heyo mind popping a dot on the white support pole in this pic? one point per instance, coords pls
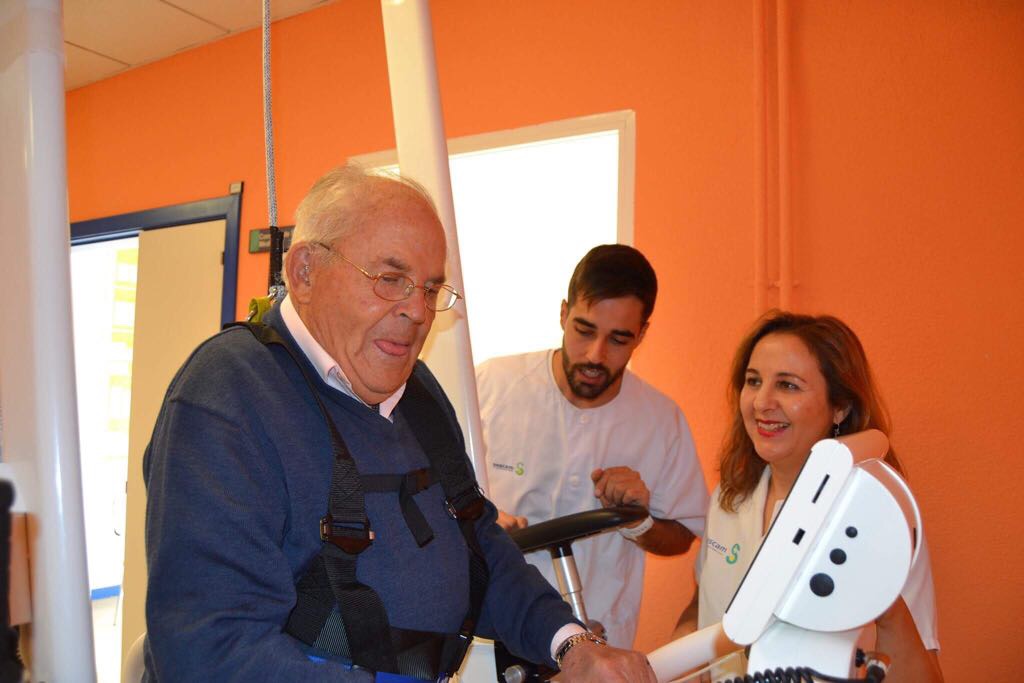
(37, 379)
(423, 157)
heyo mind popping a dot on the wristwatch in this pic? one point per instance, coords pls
(574, 640)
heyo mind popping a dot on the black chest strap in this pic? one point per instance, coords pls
(464, 500)
(407, 485)
(336, 613)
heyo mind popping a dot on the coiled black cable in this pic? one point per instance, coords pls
(780, 675)
(804, 675)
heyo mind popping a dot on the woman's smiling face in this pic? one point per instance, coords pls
(784, 400)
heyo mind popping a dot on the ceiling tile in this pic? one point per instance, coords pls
(241, 15)
(84, 67)
(134, 31)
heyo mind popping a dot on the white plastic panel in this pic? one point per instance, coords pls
(861, 560)
(788, 541)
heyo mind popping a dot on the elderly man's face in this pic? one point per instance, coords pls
(376, 342)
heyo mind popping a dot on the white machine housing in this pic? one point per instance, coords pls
(835, 558)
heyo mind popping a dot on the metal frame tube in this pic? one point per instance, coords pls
(37, 395)
(569, 584)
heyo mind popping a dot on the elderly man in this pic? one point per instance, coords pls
(573, 429)
(312, 515)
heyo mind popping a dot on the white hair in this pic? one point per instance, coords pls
(342, 199)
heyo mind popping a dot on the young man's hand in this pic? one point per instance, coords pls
(509, 522)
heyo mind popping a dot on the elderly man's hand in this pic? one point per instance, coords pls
(509, 522)
(620, 486)
(589, 662)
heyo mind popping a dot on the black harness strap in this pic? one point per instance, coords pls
(407, 485)
(465, 501)
(333, 611)
(345, 530)
(346, 524)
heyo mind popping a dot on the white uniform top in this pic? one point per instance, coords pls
(732, 538)
(540, 451)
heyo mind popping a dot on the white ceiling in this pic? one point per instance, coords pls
(106, 37)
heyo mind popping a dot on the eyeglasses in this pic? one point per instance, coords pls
(398, 287)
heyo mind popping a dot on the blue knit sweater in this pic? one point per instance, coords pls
(238, 473)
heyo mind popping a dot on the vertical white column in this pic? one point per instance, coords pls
(37, 380)
(423, 156)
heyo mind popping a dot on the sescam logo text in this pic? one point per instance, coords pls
(731, 554)
(518, 469)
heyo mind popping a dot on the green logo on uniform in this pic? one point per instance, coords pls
(520, 470)
(731, 559)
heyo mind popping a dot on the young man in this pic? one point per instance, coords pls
(572, 429)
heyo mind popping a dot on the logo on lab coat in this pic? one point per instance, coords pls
(734, 555)
(731, 555)
(518, 469)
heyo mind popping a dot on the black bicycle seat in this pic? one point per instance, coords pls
(569, 528)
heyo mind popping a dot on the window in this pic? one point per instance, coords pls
(103, 302)
(529, 203)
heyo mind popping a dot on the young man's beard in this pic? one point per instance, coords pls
(582, 389)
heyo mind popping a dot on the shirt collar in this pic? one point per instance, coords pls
(328, 369)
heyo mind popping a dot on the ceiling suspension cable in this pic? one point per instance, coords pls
(275, 284)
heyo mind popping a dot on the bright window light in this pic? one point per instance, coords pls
(526, 214)
(103, 277)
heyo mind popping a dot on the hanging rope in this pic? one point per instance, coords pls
(275, 284)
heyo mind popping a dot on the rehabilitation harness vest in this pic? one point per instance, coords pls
(337, 614)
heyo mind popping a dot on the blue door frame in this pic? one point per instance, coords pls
(228, 208)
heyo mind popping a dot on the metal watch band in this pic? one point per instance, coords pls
(574, 640)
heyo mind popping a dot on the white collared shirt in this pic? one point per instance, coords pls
(546, 474)
(329, 370)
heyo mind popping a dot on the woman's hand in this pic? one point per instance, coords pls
(898, 638)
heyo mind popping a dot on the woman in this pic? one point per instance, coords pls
(795, 380)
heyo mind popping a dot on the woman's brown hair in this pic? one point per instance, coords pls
(847, 375)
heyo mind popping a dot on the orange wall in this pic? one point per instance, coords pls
(907, 205)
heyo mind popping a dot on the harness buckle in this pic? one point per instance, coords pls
(418, 480)
(349, 539)
(462, 509)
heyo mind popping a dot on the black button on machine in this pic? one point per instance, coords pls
(838, 556)
(822, 585)
(851, 531)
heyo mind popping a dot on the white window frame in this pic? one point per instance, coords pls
(623, 121)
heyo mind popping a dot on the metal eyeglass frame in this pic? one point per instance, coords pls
(407, 289)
